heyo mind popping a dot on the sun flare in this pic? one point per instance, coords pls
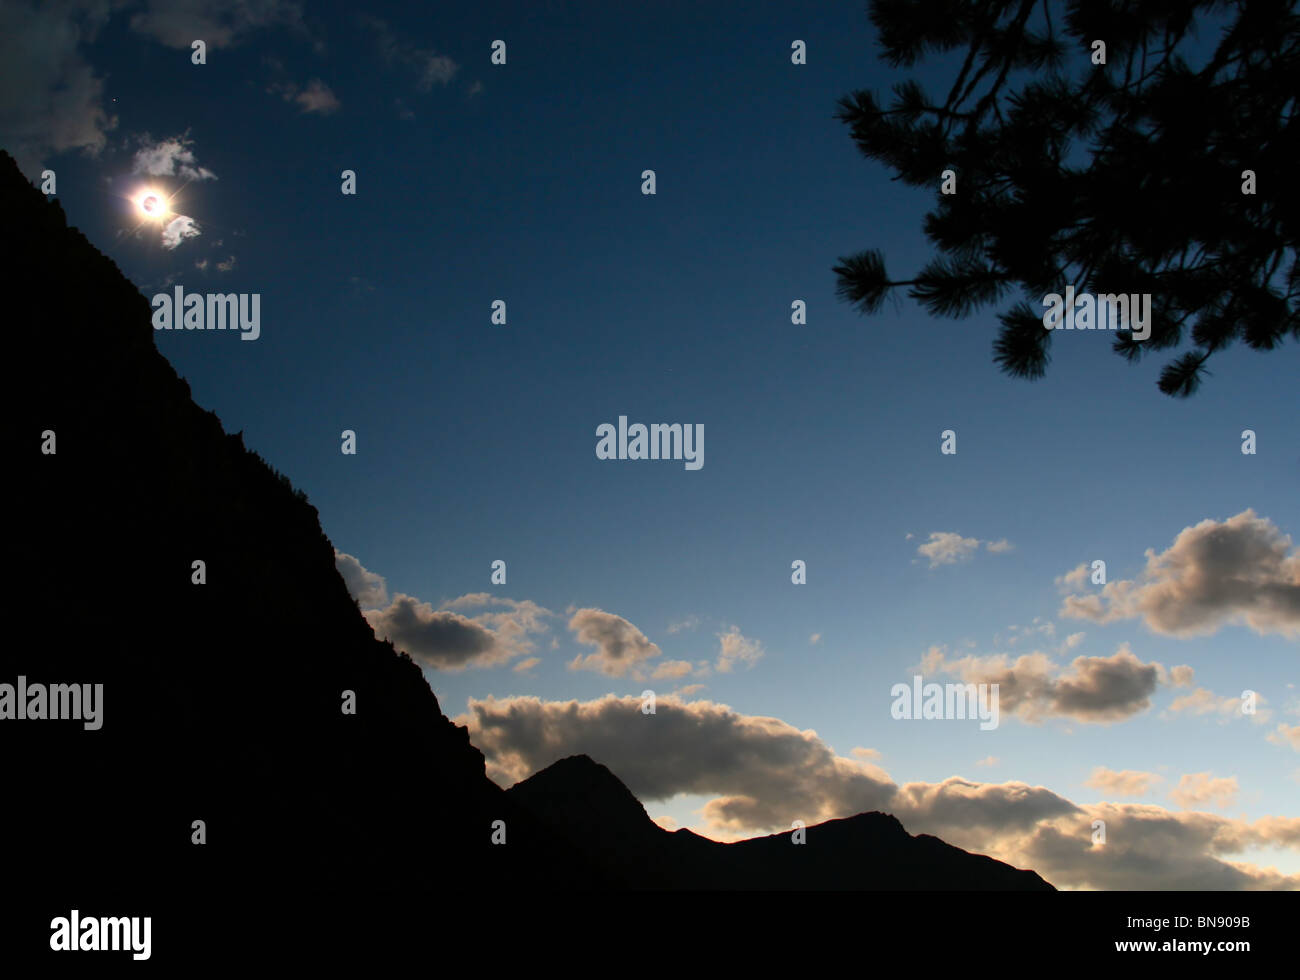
(152, 204)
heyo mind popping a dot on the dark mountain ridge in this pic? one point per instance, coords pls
(222, 701)
(585, 802)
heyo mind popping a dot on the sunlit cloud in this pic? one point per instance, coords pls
(172, 157)
(1243, 570)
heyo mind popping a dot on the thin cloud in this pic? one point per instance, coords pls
(430, 68)
(949, 548)
(673, 669)
(218, 23)
(316, 98)
(1128, 782)
(1203, 701)
(689, 623)
(1197, 789)
(1286, 735)
(735, 650)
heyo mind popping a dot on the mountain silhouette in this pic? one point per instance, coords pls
(587, 804)
(222, 701)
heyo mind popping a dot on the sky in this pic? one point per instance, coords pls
(476, 441)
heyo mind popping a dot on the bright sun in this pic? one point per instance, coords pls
(151, 204)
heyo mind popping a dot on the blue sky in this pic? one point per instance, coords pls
(476, 441)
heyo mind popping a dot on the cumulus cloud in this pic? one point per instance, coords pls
(764, 773)
(988, 761)
(955, 803)
(449, 640)
(513, 616)
(621, 648)
(947, 548)
(1129, 782)
(441, 639)
(430, 68)
(1105, 688)
(218, 23)
(50, 98)
(1240, 571)
(524, 666)
(368, 588)
(179, 229)
(736, 649)
(1197, 789)
(172, 157)
(1147, 847)
(1032, 687)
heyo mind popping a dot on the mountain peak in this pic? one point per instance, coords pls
(579, 790)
